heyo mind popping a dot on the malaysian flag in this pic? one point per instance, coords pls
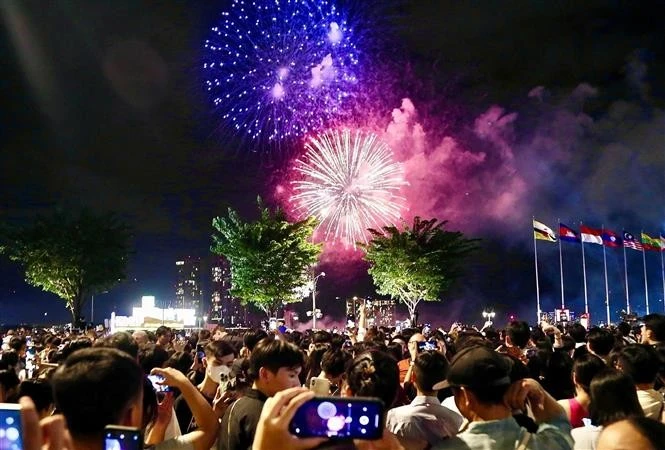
(630, 241)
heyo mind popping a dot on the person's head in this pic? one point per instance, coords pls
(518, 334)
(613, 397)
(96, 387)
(253, 337)
(163, 335)
(141, 337)
(121, 340)
(640, 362)
(40, 393)
(8, 385)
(181, 361)
(18, 344)
(653, 329)
(633, 433)
(577, 332)
(151, 356)
(219, 357)
(585, 368)
(429, 369)
(480, 378)
(275, 365)
(624, 328)
(218, 333)
(373, 374)
(600, 341)
(333, 363)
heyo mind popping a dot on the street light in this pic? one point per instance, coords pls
(92, 306)
(488, 316)
(315, 312)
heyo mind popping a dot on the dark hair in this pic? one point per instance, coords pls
(374, 374)
(181, 361)
(219, 349)
(655, 323)
(313, 362)
(640, 362)
(161, 331)
(585, 368)
(577, 332)
(519, 333)
(204, 335)
(430, 368)
(274, 354)
(17, 343)
(650, 429)
(334, 362)
(558, 381)
(149, 403)
(321, 336)
(253, 337)
(396, 350)
(122, 340)
(94, 387)
(8, 379)
(39, 391)
(151, 356)
(624, 328)
(600, 341)
(613, 397)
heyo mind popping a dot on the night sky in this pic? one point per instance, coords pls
(545, 109)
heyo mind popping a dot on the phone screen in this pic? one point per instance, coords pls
(339, 418)
(426, 346)
(122, 438)
(11, 432)
(156, 380)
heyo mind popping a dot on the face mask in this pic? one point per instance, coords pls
(219, 373)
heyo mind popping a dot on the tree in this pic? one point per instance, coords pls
(418, 263)
(269, 257)
(71, 255)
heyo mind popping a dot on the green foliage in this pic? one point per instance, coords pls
(70, 255)
(418, 263)
(269, 257)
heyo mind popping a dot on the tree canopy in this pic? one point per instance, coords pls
(269, 257)
(71, 255)
(417, 263)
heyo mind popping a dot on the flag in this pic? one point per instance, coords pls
(650, 243)
(630, 241)
(611, 239)
(591, 235)
(542, 231)
(567, 234)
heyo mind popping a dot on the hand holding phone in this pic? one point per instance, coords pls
(11, 428)
(320, 386)
(158, 383)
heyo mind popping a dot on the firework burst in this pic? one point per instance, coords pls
(349, 181)
(280, 69)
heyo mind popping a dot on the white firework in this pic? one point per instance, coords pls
(350, 182)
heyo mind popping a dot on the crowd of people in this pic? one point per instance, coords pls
(520, 387)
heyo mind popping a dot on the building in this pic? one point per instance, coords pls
(188, 289)
(225, 309)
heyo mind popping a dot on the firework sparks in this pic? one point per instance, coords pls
(349, 181)
(278, 70)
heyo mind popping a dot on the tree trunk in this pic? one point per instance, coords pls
(75, 308)
(411, 306)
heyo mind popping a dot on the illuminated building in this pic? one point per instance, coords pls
(149, 317)
(225, 309)
(188, 290)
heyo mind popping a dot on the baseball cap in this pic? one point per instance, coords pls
(477, 366)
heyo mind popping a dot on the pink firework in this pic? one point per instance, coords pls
(350, 182)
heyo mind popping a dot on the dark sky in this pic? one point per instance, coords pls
(102, 105)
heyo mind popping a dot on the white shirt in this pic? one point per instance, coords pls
(586, 437)
(651, 402)
(425, 419)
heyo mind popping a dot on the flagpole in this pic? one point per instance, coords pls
(586, 299)
(607, 292)
(535, 259)
(625, 274)
(644, 264)
(563, 302)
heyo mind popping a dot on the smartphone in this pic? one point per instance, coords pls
(200, 354)
(122, 438)
(156, 380)
(320, 386)
(427, 346)
(11, 430)
(339, 418)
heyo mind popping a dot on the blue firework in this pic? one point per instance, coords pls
(278, 69)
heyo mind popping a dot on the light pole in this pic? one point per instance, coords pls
(92, 306)
(314, 311)
(488, 316)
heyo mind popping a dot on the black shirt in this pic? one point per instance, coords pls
(240, 421)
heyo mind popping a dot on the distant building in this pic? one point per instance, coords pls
(225, 309)
(188, 289)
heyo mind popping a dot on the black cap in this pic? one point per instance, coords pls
(479, 367)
